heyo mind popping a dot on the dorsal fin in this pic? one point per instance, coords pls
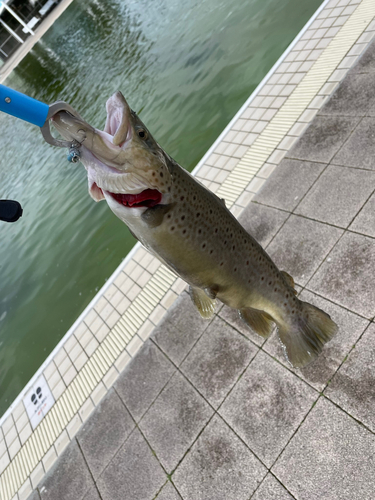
(289, 280)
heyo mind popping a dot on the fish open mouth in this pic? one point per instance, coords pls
(147, 198)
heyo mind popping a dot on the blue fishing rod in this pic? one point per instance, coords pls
(38, 113)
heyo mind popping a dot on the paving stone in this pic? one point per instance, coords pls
(134, 473)
(365, 221)
(175, 420)
(69, 478)
(104, 432)
(217, 360)
(232, 317)
(271, 489)
(34, 495)
(366, 63)
(354, 97)
(219, 466)
(359, 150)
(92, 494)
(338, 195)
(301, 245)
(320, 371)
(168, 493)
(262, 222)
(180, 329)
(143, 379)
(348, 277)
(323, 138)
(266, 406)
(353, 388)
(331, 457)
(289, 183)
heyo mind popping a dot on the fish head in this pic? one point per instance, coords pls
(124, 163)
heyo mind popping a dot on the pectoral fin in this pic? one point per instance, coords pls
(154, 216)
(203, 303)
(290, 281)
(259, 321)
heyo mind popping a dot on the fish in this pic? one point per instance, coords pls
(192, 232)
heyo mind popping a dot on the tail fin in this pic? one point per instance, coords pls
(303, 341)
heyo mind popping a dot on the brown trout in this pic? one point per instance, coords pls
(192, 232)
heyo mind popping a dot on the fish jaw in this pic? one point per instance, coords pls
(123, 159)
(117, 124)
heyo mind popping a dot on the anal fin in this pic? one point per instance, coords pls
(204, 304)
(259, 321)
(290, 281)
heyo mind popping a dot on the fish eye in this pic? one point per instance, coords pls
(142, 133)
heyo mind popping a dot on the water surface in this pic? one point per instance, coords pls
(187, 67)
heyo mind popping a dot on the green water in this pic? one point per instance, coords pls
(187, 67)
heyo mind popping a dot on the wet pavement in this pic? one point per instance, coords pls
(208, 410)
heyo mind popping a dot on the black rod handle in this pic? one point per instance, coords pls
(10, 210)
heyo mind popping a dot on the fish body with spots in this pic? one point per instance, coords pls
(192, 232)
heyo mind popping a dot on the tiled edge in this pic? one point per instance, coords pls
(120, 318)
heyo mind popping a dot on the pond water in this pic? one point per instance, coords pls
(186, 67)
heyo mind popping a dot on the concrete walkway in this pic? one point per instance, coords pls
(209, 411)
